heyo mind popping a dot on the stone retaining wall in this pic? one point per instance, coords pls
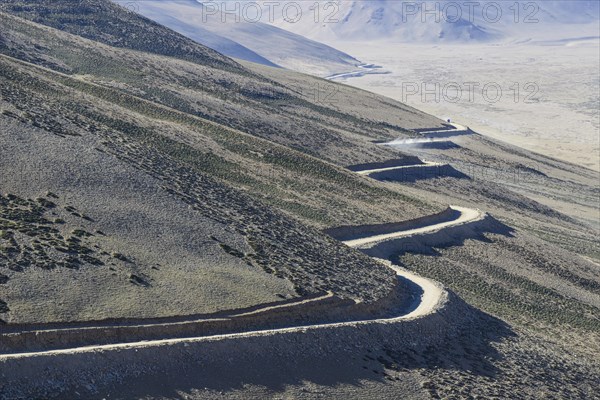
(326, 310)
(344, 233)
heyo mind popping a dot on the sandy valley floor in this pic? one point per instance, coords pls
(560, 119)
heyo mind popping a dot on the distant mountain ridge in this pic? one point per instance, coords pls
(257, 42)
(401, 21)
(89, 19)
(302, 36)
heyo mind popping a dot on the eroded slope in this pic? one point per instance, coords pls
(180, 238)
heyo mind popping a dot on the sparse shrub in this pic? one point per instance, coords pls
(3, 307)
(81, 233)
(137, 280)
(45, 203)
(230, 250)
(120, 257)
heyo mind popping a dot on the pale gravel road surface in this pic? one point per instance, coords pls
(432, 136)
(466, 215)
(425, 164)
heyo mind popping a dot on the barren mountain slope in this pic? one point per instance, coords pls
(137, 184)
(113, 174)
(309, 116)
(110, 24)
(538, 269)
(108, 168)
(254, 41)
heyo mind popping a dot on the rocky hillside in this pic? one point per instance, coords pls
(107, 23)
(123, 173)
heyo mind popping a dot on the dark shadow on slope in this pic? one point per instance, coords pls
(456, 338)
(397, 162)
(344, 357)
(351, 232)
(298, 313)
(425, 143)
(469, 351)
(447, 134)
(408, 169)
(417, 173)
(429, 244)
(437, 145)
(413, 298)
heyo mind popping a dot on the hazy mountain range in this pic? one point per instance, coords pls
(251, 41)
(401, 21)
(302, 35)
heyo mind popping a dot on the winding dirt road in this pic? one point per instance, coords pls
(465, 215)
(432, 135)
(425, 164)
(431, 296)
